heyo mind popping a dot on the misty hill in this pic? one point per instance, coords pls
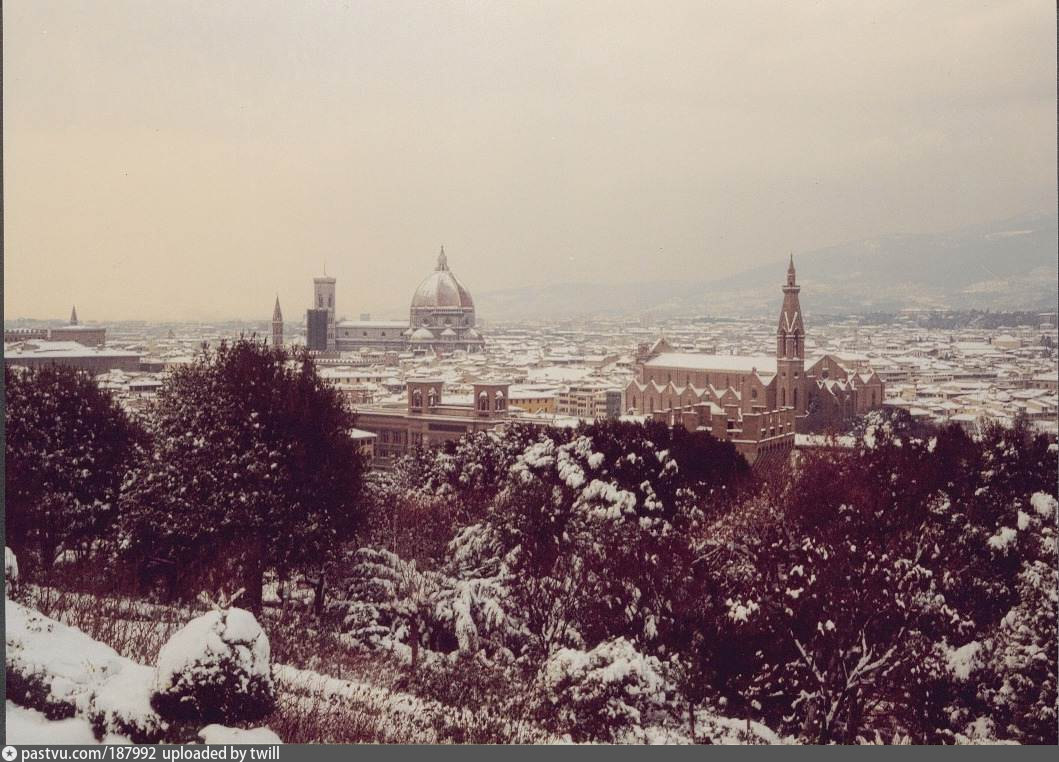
(1005, 265)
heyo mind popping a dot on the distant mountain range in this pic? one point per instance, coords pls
(1005, 265)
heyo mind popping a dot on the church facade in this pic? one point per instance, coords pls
(758, 402)
(441, 320)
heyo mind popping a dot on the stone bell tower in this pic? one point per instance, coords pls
(324, 295)
(790, 349)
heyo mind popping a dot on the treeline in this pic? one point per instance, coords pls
(243, 466)
(953, 319)
(593, 581)
(905, 588)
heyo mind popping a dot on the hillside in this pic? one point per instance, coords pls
(1009, 264)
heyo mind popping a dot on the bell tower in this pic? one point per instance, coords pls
(324, 293)
(790, 349)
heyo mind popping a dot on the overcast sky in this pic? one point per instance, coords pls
(182, 159)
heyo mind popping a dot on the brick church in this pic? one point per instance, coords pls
(757, 402)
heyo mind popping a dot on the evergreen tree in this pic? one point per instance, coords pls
(68, 447)
(253, 469)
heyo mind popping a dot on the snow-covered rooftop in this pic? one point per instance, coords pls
(373, 324)
(732, 363)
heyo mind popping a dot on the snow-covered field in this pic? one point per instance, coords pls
(28, 726)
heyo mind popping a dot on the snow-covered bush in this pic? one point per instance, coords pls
(215, 669)
(121, 706)
(602, 694)
(51, 667)
(63, 673)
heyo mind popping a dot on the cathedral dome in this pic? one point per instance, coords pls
(442, 290)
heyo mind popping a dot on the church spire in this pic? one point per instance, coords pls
(277, 325)
(790, 332)
(443, 261)
(73, 316)
(791, 388)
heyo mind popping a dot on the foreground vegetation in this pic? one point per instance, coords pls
(617, 582)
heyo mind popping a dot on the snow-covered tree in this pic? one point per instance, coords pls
(68, 447)
(387, 601)
(1011, 668)
(879, 563)
(602, 694)
(416, 509)
(252, 469)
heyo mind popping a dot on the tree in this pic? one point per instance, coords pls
(252, 469)
(879, 568)
(1010, 667)
(597, 532)
(69, 445)
(601, 694)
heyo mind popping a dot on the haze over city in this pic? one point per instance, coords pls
(189, 160)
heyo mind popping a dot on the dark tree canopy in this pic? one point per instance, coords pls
(68, 446)
(253, 468)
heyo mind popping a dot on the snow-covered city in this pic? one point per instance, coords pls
(698, 429)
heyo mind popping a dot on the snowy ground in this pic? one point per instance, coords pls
(28, 726)
(90, 679)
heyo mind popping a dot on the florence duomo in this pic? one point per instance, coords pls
(522, 373)
(441, 319)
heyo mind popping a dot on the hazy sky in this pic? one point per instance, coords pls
(182, 159)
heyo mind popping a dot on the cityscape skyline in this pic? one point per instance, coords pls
(398, 308)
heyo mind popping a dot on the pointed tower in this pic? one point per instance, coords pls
(790, 349)
(277, 325)
(443, 261)
(73, 316)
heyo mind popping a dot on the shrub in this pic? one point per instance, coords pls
(603, 693)
(120, 706)
(215, 670)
